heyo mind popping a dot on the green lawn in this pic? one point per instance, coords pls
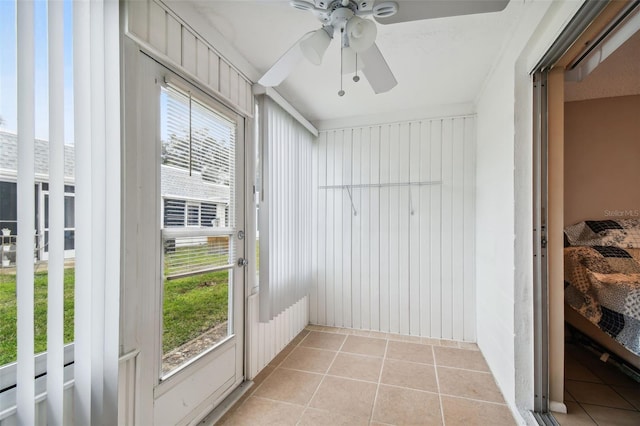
(8, 313)
(192, 305)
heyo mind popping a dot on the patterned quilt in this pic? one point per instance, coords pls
(623, 233)
(602, 282)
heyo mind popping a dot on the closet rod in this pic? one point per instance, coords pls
(380, 185)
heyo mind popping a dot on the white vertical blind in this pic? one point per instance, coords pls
(285, 210)
(112, 218)
(96, 70)
(55, 295)
(97, 159)
(26, 211)
(96, 194)
(83, 288)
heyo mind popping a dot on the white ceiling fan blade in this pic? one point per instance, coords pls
(283, 66)
(376, 70)
(409, 10)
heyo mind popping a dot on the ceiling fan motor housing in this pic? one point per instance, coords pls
(340, 17)
(336, 7)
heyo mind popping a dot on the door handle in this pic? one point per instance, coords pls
(243, 262)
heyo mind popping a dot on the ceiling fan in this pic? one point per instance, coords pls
(349, 19)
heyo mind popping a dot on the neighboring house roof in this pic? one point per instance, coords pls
(176, 182)
(9, 156)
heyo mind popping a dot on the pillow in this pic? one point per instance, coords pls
(623, 233)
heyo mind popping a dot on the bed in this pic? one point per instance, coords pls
(602, 284)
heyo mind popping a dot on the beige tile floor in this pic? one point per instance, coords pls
(597, 393)
(330, 376)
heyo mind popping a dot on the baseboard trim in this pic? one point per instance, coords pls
(557, 407)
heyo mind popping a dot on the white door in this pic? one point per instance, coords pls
(190, 161)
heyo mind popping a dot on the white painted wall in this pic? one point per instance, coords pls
(504, 272)
(401, 258)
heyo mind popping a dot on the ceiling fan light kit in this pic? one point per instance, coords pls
(361, 34)
(316, 43)
(358, 33)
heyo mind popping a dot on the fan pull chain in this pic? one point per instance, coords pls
(341, 92)
(356, 78)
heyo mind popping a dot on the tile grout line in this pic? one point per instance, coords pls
(433, 353)
(602, 382)
(587, 413)
(333, 375)
(625, 399)
(607, 406)
(251, 393)
(395, 337)
(483, 401)
(363, 355)
(385, 357)
(275, 367)
(375, 398)
(324, 375)
(459, 368)
(612, 388)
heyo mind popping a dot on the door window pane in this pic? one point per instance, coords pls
(197, 175)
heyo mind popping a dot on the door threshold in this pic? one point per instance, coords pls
(545, 419)
(213, 417)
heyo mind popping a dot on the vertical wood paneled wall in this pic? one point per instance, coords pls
(150, 23)
(396, 258)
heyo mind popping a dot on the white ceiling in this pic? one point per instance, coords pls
(436, 62)
(618, 75)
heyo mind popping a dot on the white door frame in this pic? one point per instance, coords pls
(547, 235)
(191, 393)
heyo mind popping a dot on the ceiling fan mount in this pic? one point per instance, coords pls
(358, 33)
(330, 13)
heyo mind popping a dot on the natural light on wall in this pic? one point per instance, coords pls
(59, 211)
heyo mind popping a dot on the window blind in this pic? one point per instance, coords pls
(197, 185)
